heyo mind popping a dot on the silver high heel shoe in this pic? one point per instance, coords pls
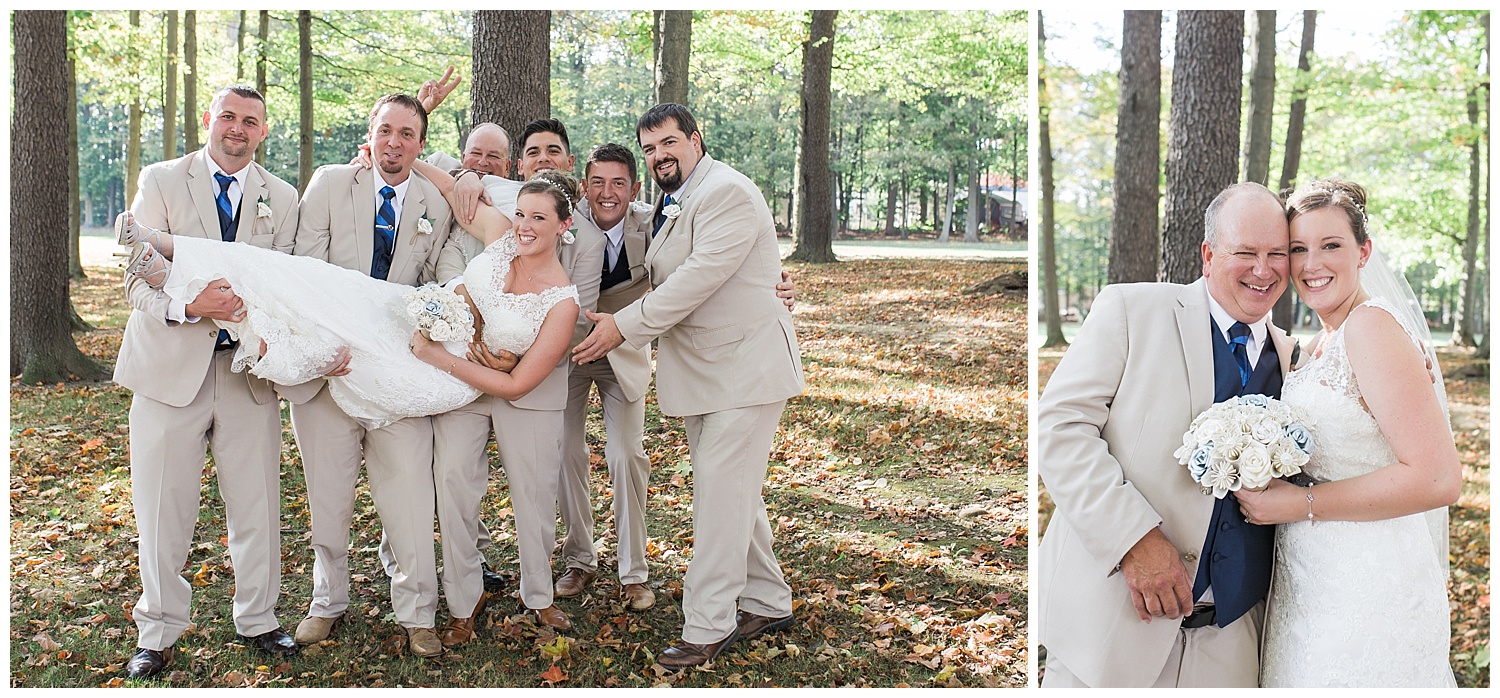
(149, 265)
(129, 231)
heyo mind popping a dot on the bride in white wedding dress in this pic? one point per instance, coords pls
(1358, 593)
(302, 315)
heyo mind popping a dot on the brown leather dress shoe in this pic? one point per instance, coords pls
(461, 630)
(685, 654)
(751, 624)
(637, 597)
(572, 583)
(553, 617)
(149, 662)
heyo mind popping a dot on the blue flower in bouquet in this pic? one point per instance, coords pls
(1256, 400)
(1300, 437)
(1198, 461)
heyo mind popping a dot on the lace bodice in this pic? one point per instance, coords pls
(1350, 443)
(511, 321)
(1353, 603)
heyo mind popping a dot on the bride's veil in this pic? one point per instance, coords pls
(1381, 281)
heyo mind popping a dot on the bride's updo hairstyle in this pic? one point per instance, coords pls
(559, 185)
(1332, 192)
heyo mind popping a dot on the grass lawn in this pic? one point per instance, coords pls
(897, 494)
(1467, 380)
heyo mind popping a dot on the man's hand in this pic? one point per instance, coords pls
(362, 157)
(217, 302)
(338, 365)
(502, 360)
(1157, 580)
(433, 92)
(787, 289)
(468, 195)
(605, 337)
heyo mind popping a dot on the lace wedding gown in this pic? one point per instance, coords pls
(1353, 603)
(305, 309)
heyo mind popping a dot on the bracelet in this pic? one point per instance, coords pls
(1309, 504)
(454, 365)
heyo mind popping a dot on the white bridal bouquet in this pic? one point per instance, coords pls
(1243, 443)
(441, 315)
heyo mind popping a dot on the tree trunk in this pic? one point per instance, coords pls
(1464, 325)
(133, 140)
(813, 231)
(952, 203)
(672, 41)
(190, 120)
(1050, 311)
(239, 48)
(512, 68)
(1262, 98)
(1482, 313)
(976, 205)
(263, 38)
(75, 213)
(1133, 240)
(1283, 315)
(169, 104)
(1204, 133)
(890, 208)
(41, 344)
(305, 92)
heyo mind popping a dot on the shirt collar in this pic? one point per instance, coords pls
(213, 168)
(1224, 320)
(379, 181)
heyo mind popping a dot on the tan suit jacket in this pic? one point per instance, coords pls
(631, 365)
(1140, 369)
(725, 340)
(174, 196)
(336, 220)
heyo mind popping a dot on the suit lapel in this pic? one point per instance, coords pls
(255, 190)
(1284, 344)
(634, 247)
(1197, 346)
(362, 203)
(699, 173)
(204, 191)
(412, 208)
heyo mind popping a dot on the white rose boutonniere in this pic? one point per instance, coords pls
(640, 207)
(568, 237)
(424, 225)
(262, 209)
(672, 210)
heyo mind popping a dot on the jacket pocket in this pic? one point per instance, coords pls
(719, 336)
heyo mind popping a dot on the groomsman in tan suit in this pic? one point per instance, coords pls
(175, 360)
(610, 187)
(528, 431)
(391, 224)
(1118, 565)
(727, 361)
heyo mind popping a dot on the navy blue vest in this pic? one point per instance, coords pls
(1236, 557)
(620, 274)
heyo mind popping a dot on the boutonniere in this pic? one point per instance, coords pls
(262, 209)
(424, 225)
(672, 210)
(640, 207)
(568, 237)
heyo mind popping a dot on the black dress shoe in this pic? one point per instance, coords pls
(276, 643)
(493, 582)
(148, 662)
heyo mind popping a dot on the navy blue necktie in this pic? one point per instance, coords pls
(385, 235)
(226, 210)
(661, 216)
(1239, 338)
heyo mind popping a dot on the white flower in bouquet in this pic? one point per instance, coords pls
(440, 314)
(1243, 443)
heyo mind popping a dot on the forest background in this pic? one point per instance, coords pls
(897, 488)
(1147, 115)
